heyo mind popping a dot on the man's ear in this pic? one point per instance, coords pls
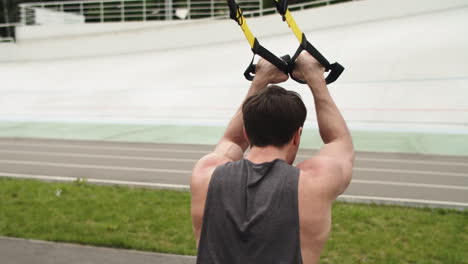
(297, 137)
(245, 135)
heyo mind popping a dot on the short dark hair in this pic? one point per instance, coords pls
(272, 116)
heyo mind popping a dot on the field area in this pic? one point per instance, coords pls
(159, 220)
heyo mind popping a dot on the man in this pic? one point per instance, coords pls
(261, 209)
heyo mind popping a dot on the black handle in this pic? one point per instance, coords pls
(281, 63)
(335, 69)
(249, 73)
(270, 57)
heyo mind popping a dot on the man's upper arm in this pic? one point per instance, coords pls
(224, 152)
(325, 172)
(341, 151)
(332, 166)
(229, 150)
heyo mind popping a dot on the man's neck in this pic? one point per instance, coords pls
(265, 154)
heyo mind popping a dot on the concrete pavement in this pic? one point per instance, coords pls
(25, 251)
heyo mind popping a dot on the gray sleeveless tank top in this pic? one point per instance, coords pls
(251, 215)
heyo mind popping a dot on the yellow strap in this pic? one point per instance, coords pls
(292, 24)
(245, 28)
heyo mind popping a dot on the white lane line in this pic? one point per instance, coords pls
(436, 173)
(402, 201)
(343, 197)
(82, 166)
(71, 165)
(409, 161)
(75, 165)
(176, 150)
(71, 146)
(71, 154)
(101, 181)
(62, 154)
(410, 184)
(412, 161)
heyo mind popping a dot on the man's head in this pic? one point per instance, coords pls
(273, 116)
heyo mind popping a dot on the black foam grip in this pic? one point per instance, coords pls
(270, 57)
(249, 73)
(314, 52)
(335, 71)
(286, 58)
(292, 64)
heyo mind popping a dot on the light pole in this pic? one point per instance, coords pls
(168, 9)
(7, 19)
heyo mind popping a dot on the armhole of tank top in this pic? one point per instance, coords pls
(206, 208)
(298, 175)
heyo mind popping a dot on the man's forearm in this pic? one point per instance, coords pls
(234, 131)
(331, 124)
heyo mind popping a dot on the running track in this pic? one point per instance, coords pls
(390, 178)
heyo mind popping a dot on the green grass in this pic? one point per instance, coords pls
(97, 215)
(393, 234)
(156, 220)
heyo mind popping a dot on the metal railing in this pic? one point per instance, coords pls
(101, 11)
(294, 7)
(7, 40)
(7, 32)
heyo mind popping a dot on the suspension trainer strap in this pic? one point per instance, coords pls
(236, 14)
(335, 69)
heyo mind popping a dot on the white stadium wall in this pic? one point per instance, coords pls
(406, 67)
(66, 41)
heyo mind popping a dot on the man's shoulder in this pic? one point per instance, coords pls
(319, 166)
(321, 174)
(210, 161)
(204, 168)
